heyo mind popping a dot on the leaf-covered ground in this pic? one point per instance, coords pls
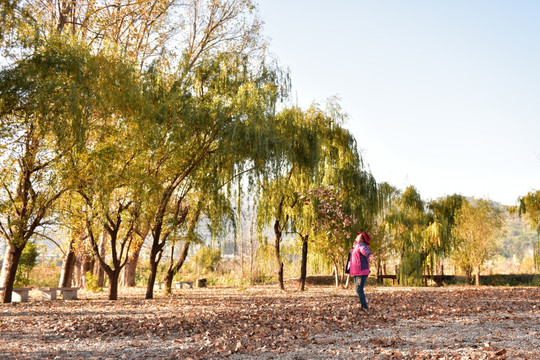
(264, 323)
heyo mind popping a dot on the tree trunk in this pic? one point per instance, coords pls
(469, 274)
(347, 280)
(379, 272)
(279, 262)
(151, 279)
(77, 272)
(99, 273)
(477, 277)
(303, 268)
(5, 268)
(98, 270)
(130, 270)
(342, 274)
(169, 274)
(336, 274)
(9, 270)
(173, 270)
(251, 255)
(113, 280)
(87, 265)
(66, 277)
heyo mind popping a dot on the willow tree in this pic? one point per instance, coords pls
(180, 88)
(382, 234)
(342, 167)
(439, 238)
(478, 224)
(104, 171)
(141, 30)
(111, 194)
(41, 123)
(298, 136)
(407, 222)
(201, 30)
(207, 121)
(529, 207)
(107, 187)
(317, 150)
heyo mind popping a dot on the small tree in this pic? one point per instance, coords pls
(205, 260)
(478, 223)
(529, 207)
(27, 263)
(438, 235)
(332, 228)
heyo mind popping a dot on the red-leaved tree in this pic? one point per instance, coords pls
(333, 228)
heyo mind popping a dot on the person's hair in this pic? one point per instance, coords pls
(366, 237)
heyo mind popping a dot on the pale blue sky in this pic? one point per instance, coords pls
(442, 95)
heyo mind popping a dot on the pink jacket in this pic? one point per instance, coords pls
(360, 259)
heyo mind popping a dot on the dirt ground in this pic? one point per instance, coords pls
(265, 323)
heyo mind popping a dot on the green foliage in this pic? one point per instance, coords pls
(438, 234)
(205, 260)
(529, 207)
(26, 264)
(265, 259)
(443, 219)
(342, 166)
(519, 239)
(383, 232)
(511, 280)
(92, 282)
(48, 102)
(479, 223)
(407, 221)
(411, 268)
(319, 264)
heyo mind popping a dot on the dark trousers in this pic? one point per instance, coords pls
(360, 282)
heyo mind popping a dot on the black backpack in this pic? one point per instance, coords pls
(348, 266)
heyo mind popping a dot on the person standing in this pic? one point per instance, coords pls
(360, 258)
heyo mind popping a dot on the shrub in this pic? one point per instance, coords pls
(26, 264)
(92, 283)
(205, 260)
